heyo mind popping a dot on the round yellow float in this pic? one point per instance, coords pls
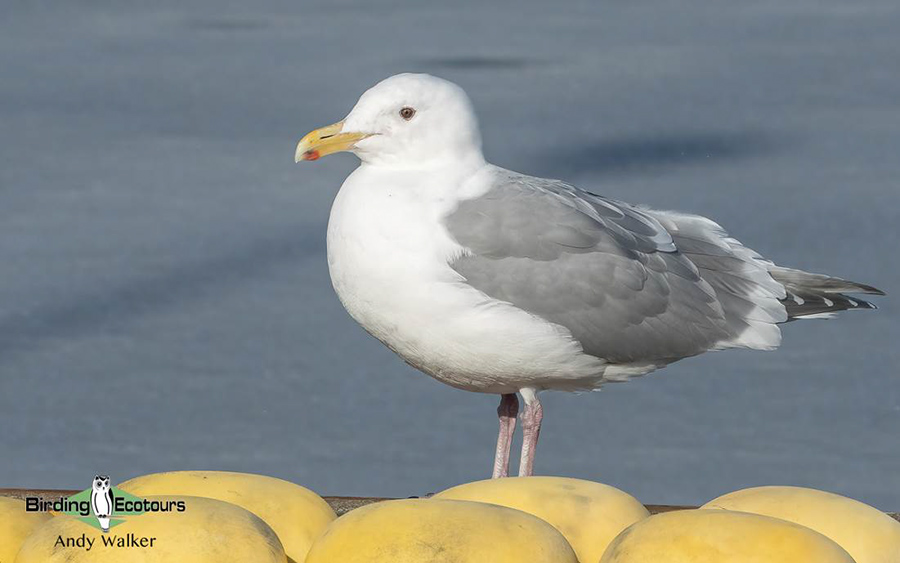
(15, 526)
(588, 514)
(868, 535)
(207, 531)
(721, 536)
(297, 514)
(416, 530)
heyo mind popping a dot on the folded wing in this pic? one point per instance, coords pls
(608, 272)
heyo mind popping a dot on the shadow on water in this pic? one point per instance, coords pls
(650, 154)
(226, 24)
(479, 63)
(102, 309)
(110, 307)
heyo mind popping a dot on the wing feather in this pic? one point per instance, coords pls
(609, 272)
(750, 296)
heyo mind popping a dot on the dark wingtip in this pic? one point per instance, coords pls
(872, 290)
(863, 288)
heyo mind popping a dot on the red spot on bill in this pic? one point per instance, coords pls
(311, 154)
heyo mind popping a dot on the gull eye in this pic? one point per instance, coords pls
(407, 113)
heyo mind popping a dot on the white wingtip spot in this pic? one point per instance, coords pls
(828, 302)
(797, 299)
(818, 316)
(853, 303)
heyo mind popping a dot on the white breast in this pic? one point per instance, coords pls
(389, 254)
(101, 502)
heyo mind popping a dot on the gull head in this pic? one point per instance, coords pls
(405, 121)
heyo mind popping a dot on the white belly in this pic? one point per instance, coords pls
(389, 254)
(101, 504)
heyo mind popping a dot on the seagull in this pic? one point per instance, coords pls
(497, 282)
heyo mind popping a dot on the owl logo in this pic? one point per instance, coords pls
(102, 500)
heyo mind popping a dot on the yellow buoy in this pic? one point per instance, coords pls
(440, 531)
(721, 536)
(588, 514)
(868, 534)
(207, 531)
(15, 525)
(297, 514)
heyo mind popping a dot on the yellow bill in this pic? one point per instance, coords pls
(325, 141)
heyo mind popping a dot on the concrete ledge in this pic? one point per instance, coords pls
(341, 505)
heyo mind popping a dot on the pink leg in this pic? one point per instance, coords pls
(507, 411)
(531, 431)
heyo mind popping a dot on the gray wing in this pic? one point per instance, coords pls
(607, 271)
(752, 299)
(756, 295)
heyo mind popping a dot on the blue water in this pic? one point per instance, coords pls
(165, 302)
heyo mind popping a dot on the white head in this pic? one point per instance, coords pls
(100, 483)
(405, 121)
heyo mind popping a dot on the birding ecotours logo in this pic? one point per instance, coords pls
(102, 506)
(102, 500)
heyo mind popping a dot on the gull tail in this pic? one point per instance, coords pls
(814, 296)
